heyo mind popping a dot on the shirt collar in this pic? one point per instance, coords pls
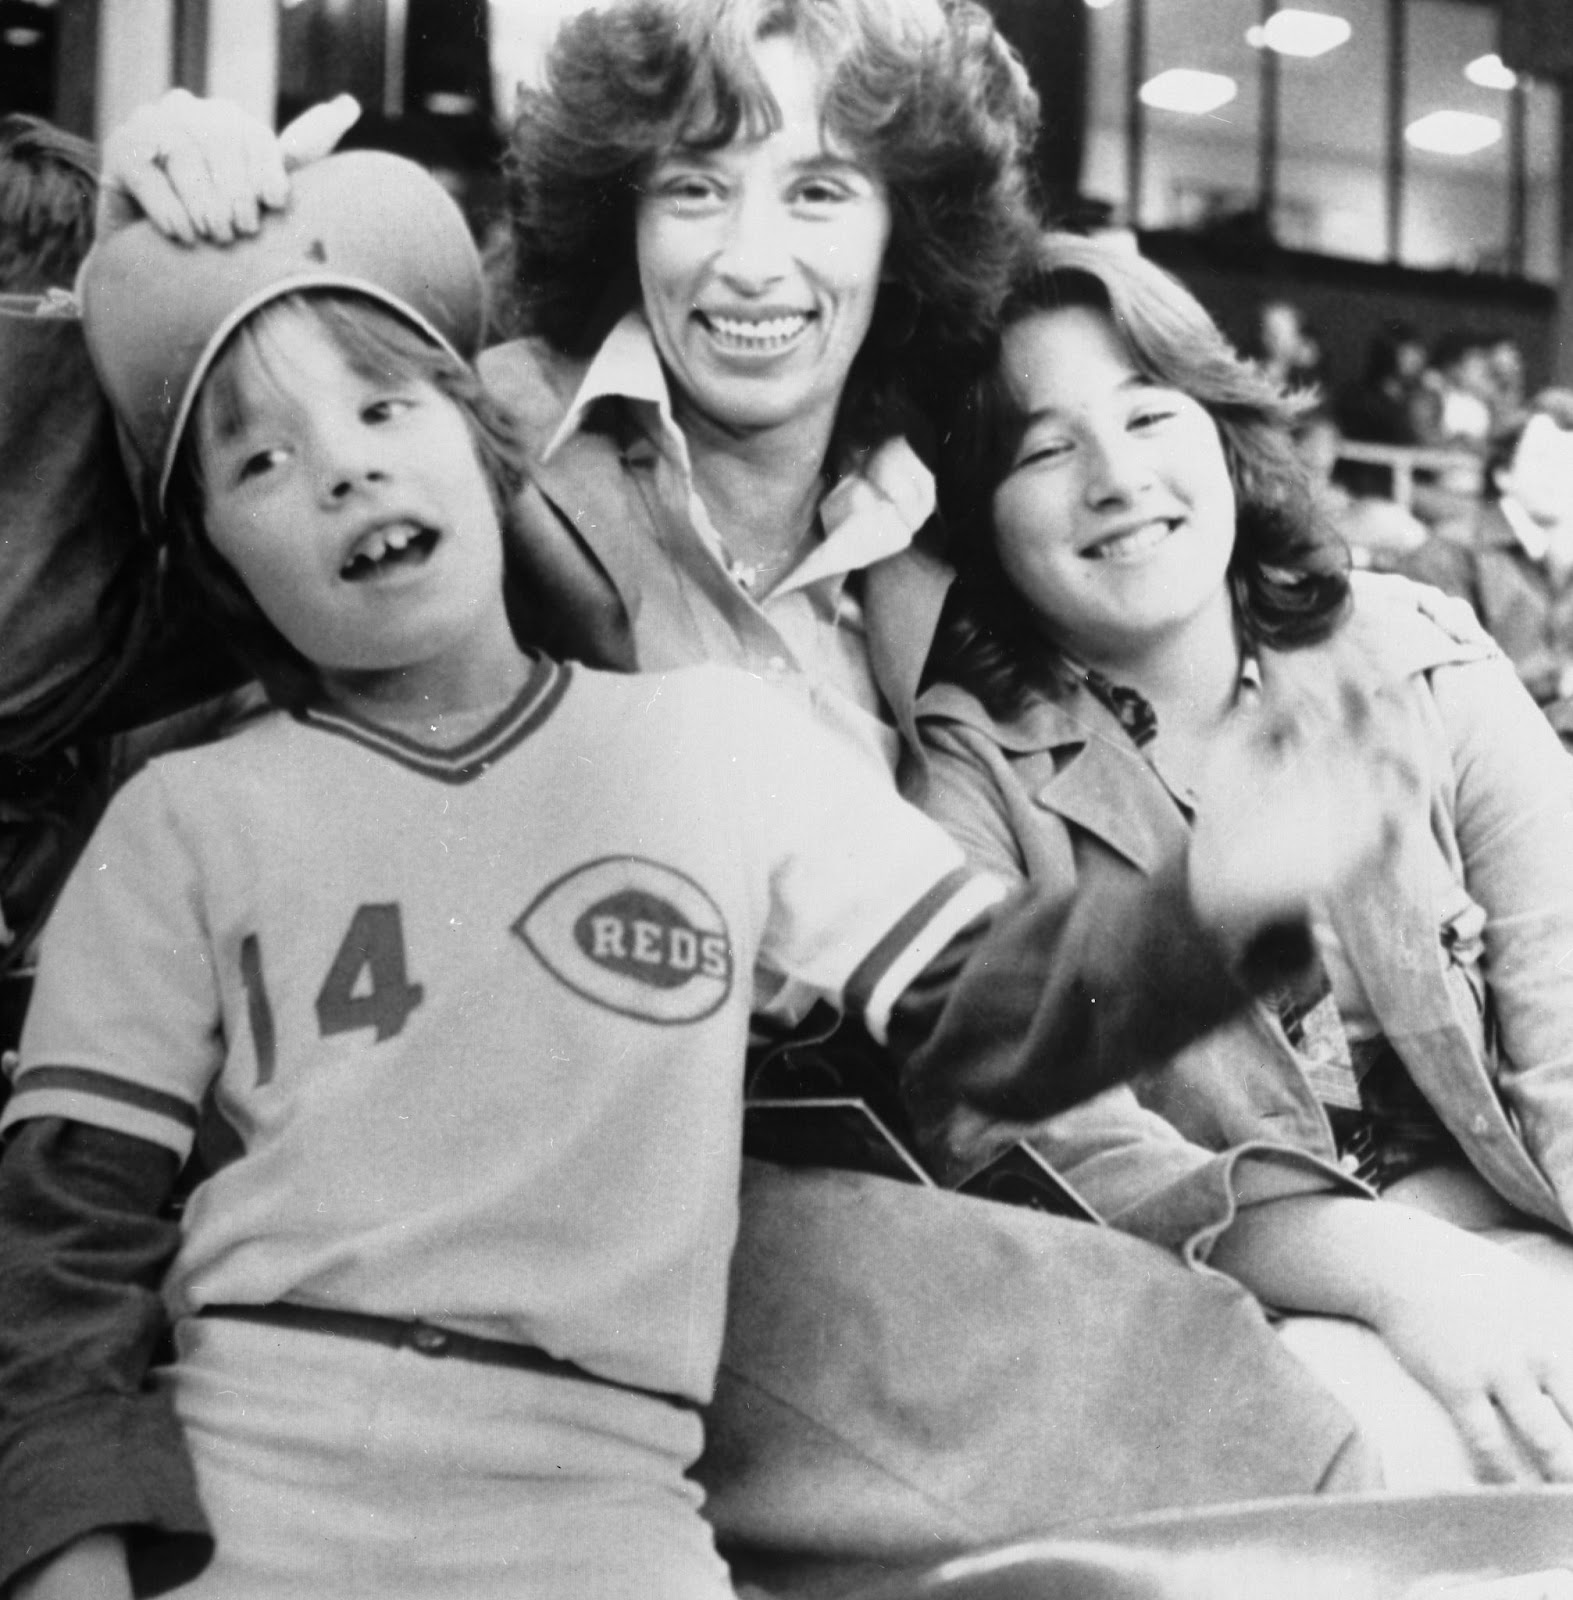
(874, 510)
(626, 367)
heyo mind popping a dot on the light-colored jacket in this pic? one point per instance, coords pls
(603, 567)
(1463, 939)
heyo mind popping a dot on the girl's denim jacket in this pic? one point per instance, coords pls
(1462, 937)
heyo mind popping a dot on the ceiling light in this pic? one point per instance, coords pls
(1183, 89)
(1490, 73)
(1453, 133)
(1299, 33)
(1098, 5)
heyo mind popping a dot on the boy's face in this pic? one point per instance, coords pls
(354, 509)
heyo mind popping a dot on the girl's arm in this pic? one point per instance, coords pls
(1513, 818)
(1490, 1336)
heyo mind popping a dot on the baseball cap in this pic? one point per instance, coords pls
(157, 313)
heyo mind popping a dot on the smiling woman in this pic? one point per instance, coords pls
(753, 240)
(760, 265)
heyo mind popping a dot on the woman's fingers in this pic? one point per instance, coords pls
(317, 131)
(207, 169)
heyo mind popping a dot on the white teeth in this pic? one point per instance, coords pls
(1131, 546)
(378, 543)
(758, 334)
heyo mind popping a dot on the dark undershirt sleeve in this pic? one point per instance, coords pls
(1053, 998)
(85, 1443)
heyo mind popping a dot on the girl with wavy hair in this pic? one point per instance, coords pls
(1145, 578)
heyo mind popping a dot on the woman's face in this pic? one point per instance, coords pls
(759, 263)
(1115, 521)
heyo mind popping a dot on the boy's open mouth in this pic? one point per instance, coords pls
(395, 544)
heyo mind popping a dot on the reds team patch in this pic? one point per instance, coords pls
(635, 937)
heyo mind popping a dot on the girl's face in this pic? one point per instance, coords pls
(354, 509)
(759, 263)
(1115, 522)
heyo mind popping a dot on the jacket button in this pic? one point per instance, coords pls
(429, 1341)
(1482, 1123)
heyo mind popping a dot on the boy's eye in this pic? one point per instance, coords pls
(256, 463)
(386, 407)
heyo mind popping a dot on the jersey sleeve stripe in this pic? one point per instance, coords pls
(920, 935)
(84, 1083)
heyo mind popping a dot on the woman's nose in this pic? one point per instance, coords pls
(754, 246)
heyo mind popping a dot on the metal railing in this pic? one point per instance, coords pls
(1459, 472)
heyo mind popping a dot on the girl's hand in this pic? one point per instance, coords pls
(206, 169)
(1492, 1338)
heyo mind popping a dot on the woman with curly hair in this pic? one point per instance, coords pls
(752, 242)
(1144, 573)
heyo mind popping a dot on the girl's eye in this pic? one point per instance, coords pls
(1042, 451)
(1151, 419)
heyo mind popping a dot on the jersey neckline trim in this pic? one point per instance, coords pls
(545, 685)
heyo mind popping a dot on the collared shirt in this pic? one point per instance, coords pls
(812, 618)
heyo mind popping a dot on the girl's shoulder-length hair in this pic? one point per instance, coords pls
(1289, 573)
(373, 341)
(926, 93)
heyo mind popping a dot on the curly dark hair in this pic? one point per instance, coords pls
(48, 193)
(926, 93)
(375, 342)
(1289, 574)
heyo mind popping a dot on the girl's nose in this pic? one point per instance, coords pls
(1117, 469)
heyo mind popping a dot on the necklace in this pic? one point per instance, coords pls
(756, 578)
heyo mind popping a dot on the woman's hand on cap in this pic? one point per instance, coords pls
(206, 169)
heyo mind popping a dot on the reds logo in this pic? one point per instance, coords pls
(633, 936)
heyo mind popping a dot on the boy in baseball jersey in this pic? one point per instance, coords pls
(449, 957)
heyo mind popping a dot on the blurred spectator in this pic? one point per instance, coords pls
(1283, 345)
(1506, 360)
(1460, 389)
(77, 576)
(1378, 531)
(1517, 567)
(1384, 406)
